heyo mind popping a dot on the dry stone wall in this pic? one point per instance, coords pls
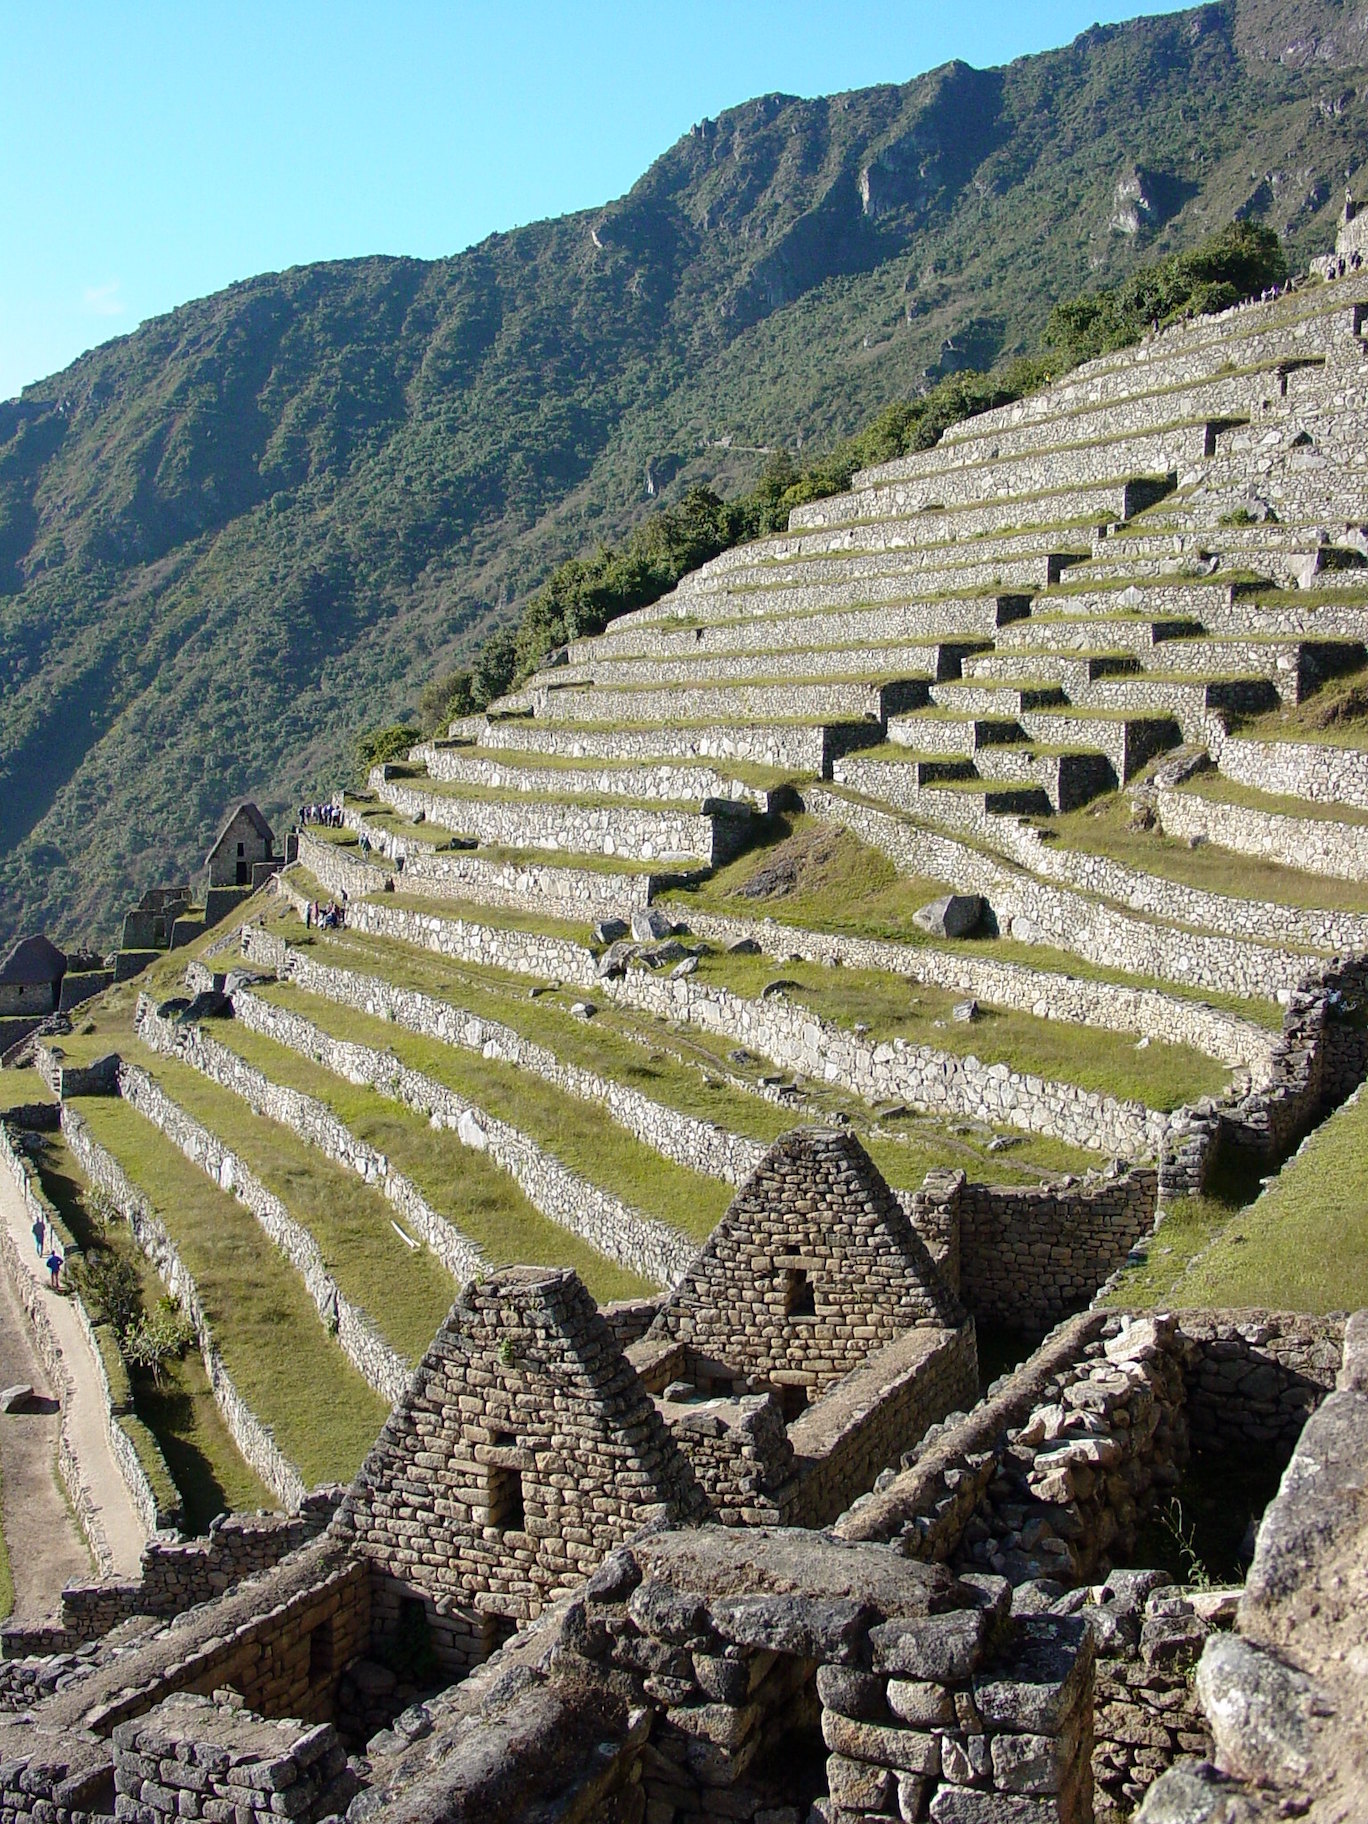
(1296, 769)
(312, 1122)
(802, 747)
(633, 832)
(701, 1145)
(609, 1225)
(364, 1347)
(252, 1438)
(1044, 994)
(1315, 845)
(1034, 912)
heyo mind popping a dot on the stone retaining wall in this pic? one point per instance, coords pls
(634, 832)
(609, 1225)
(459, 874)
(1296, 769)
(1044, 994)
(373, 1358)
(252, 1438)
(1315, 845)
(663, 782)
(312, 1122)
(1253, 1378)
(803, 747)
(1032, 911)
(700, 1145)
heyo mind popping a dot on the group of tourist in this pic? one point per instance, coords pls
(329, 815)
(325, 917)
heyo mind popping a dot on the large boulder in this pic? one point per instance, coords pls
(956, 915)
(1261, 1712)
(650, 925)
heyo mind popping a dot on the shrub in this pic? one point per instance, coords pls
(378, 745)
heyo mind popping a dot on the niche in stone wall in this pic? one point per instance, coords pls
(799, 1300)
(506, 1501)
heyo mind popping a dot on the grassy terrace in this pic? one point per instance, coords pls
(182, 1413)
(686, 1069)
(1334, 716)
(290, 1372)
(1218, 789)
(519, 760)
(1104, 828)
(1095, 1058)
(406, 1294)
(1302, 1245)
(578, 1133)
(509, 794)
(831, 881)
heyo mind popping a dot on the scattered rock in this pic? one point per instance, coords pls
(744, 946)
(966, 1011)
(609, 930)
(954, 915)
(689, 966)
(17, 1398)
(470, 1132)
(649, 925)
(779, 986)
(584, 1010)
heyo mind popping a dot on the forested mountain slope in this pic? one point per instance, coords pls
(230, 539)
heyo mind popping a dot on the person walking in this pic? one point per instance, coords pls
(53, 1263)
(39, 1232)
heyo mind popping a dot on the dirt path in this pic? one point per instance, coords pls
(86, 1416)
(46, 1549)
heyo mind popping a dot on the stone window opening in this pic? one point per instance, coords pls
(799, 1299)
(507, 1508)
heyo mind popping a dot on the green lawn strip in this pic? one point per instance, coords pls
(1096, 1058)
(291, 1373)
(854, 890)
(21, 1087)
(1217, 789)
(606, 1048)
(504, 918)
(1104, 828)
(464, 1185)
(1302, 1245)
(182, 1414)
(603, 1048)
(405, 1293)
(925, 1145)
(582, 1135)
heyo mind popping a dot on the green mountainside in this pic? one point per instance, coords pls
(265, 520)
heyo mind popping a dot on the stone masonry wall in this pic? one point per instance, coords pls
(702, 1145)
(354, 1329)
(618, 829)
(814, 1265)
(1315, 845)
(312, 1122)
(609, 1225)
(1296, 769)
(252, 1438)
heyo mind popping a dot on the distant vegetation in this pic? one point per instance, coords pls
(582, 595)
(275, 516)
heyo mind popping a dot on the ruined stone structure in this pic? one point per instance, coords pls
(243, 853)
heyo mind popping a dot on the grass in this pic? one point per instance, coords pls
(580, 1134)
(1220, 790)
(18, 1087)
(292, 1375)
(1104, 828)
(1096, 1058)
(845, 886)
(459, 1182)
(1302, 1245)
(1190, 1225)
(1334, 716)
(407, 1294)
(212, 1475)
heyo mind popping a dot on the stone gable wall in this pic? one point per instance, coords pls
(524, 1387)
(815, 1210)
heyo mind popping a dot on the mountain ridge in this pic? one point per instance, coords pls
(265, 518)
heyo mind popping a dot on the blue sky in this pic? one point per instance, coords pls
(152, 152)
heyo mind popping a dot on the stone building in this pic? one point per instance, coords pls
(31, 978)
(814, 1267)
(524, 1448)
(245, 843)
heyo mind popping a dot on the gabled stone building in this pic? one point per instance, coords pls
(813, 1269)
(31, 978)
(245, 843)
(525, 1448)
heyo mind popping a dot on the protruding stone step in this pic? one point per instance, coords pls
(998, 701)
